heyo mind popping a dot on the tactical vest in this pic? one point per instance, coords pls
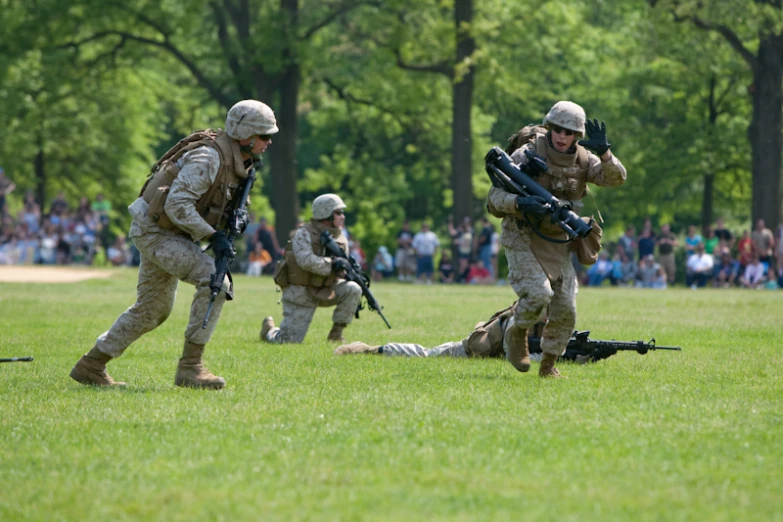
(212, 204)
(288, 271)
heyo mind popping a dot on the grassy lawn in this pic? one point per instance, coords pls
(299, 434)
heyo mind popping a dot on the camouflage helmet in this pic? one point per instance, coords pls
(325, 204)
(249, 118)
(568, 115)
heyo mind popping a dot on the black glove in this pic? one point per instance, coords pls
(220, 245)
(534, 205)
(597, 137)
(340, 265)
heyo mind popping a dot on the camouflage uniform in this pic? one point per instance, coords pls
(541, 273)
(300, 302)
(186, 197)
(167, 257)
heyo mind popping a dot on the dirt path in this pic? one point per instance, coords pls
(49, 274)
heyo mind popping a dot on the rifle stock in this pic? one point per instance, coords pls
(354, 273)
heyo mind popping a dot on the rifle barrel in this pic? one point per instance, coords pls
(15, 359)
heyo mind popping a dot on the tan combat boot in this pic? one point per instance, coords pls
(356, 348)
(547, 368)
(518, 354)
(91, 369)
(191, 372)
(266, 326)
(336, 333)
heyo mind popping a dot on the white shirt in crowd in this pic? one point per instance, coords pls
(425, 243)
(700, 263)
(754, 273)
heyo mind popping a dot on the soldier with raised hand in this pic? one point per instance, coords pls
(540, 271)
(185, 200)
(309, 278)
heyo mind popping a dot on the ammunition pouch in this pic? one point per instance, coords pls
(587, 248)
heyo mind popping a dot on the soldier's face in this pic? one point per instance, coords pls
(261, 143)
(562, 139)
(338, 217)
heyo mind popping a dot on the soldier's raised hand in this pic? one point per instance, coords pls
(596, 134)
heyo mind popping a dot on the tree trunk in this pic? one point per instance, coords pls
(765, 131)
(461, 105)
(706, 202)
(285, 198)
(40, 175)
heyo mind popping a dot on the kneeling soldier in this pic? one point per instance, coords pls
(309, 279)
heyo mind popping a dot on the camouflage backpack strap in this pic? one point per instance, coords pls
(524, 135)
(191, 141)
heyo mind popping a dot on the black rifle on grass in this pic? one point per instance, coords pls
(354, 273)
(15, 359)
(504, 174)
(235, 225)
(583, 349)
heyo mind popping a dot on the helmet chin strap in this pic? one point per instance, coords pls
(248, 149)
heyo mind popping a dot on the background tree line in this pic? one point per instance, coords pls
(393, 103)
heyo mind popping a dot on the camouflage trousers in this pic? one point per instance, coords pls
(166, 259)
(452, 349)
(299, 306)
(536, 292)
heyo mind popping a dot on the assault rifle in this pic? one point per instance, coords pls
(507, 176)
(235, 225)
(355, 274)
(583, 349)
(15, 359)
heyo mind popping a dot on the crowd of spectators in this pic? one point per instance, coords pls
(716, 258)
(63, 234)
(81, 234)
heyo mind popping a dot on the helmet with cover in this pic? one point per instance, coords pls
(325, 204)
(250, 118)
(567, 115)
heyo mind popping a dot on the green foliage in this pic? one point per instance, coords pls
(300, 434)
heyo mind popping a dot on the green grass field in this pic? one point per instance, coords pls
(300, 434)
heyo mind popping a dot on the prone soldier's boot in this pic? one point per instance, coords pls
(547, 368)
(91, 369)
(191, 372)
(266, 326)
(336, 333)
(517, 351)
(356, 348)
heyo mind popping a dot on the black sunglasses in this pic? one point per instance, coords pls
(560, 130)
(265, 137)
(339, 212)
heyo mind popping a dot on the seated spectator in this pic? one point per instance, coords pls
(726, 270)
(446, 268)
(601, 270)
(660, 279)
(117, 254)
(772, 283)
(478, 274)
(257, 260)
(382, 264)
(648, 271)
(623, 269)
(755, 274)
(699, 267)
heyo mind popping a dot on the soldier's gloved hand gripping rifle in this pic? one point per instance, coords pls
(506, 175)
(353, 272)
(235, 225)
